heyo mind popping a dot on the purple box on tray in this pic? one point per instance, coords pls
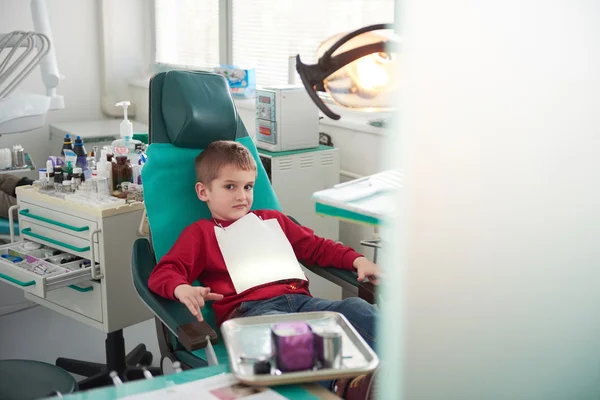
(293, 346)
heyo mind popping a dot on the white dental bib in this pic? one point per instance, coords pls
(257, 252)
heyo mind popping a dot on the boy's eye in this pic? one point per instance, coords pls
(248, 187)
(230, 186)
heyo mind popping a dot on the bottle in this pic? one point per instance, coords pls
(104, 170)
(67, 145)
(50, 173)
(79, 149)
(96, 155)
(123, 171)
(91, 162)
(58, 178)
(66, 186)
(77, 176)
(126, 145)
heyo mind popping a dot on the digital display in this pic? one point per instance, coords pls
(263, 99)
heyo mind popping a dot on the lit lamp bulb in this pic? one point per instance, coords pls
(369, 72)
(357, 69)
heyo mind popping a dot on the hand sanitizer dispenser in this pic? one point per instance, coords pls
(126, 145)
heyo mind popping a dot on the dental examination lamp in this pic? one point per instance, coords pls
(20, 53)
(356, 69)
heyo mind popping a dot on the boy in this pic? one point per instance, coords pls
(225, 173)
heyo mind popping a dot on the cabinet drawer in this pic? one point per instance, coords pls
(56, 220)
(37, 276)
(60, 240)
(84, 298)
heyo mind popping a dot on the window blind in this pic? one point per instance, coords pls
(187, 32)
(267, 32)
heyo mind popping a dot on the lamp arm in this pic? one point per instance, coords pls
(327, 55)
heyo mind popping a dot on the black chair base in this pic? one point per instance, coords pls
(129, 367)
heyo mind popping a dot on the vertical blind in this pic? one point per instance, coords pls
(265, 33)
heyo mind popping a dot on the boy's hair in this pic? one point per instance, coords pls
(220, 154)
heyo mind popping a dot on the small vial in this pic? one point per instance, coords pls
(66, 188)
(58, 175)
(73, 184)
(51, 178)
(77, 174)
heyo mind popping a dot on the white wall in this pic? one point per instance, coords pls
(501, 131)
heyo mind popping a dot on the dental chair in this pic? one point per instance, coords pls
(189, 110)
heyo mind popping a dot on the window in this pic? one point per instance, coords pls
(187, 32)
(263, 33)
(267, 32)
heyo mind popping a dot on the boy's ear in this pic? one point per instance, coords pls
(201, 191)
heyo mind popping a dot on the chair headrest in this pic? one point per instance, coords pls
(197, 109)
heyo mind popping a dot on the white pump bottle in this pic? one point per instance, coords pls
(125, 146)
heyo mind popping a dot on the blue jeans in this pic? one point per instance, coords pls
(361, 314)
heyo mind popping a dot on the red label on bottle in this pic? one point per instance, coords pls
(121, 150)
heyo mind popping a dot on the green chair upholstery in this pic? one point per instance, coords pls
(188, 110)
(27, 379)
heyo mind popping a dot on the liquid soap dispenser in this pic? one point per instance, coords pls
(126, 145)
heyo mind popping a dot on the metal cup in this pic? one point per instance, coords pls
(329, 348)
(18, 157)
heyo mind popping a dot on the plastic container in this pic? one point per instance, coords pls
(104, 170)
(5, 159)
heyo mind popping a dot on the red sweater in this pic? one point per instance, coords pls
(196, 255)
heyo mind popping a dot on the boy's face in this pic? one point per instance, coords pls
(229, 197)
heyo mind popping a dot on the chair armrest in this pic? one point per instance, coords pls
(195, 335)
(347, 280)
(174, 315)
(343, 278)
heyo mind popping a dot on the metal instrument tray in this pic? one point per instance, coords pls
(249, 338)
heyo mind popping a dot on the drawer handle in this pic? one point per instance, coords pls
(27, 231)
(16, 281)
(82, 289)
(27, 213)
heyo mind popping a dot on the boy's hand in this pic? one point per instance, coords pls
(195, 297)
(367, 269)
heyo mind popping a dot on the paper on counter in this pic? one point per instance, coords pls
(219, 387)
